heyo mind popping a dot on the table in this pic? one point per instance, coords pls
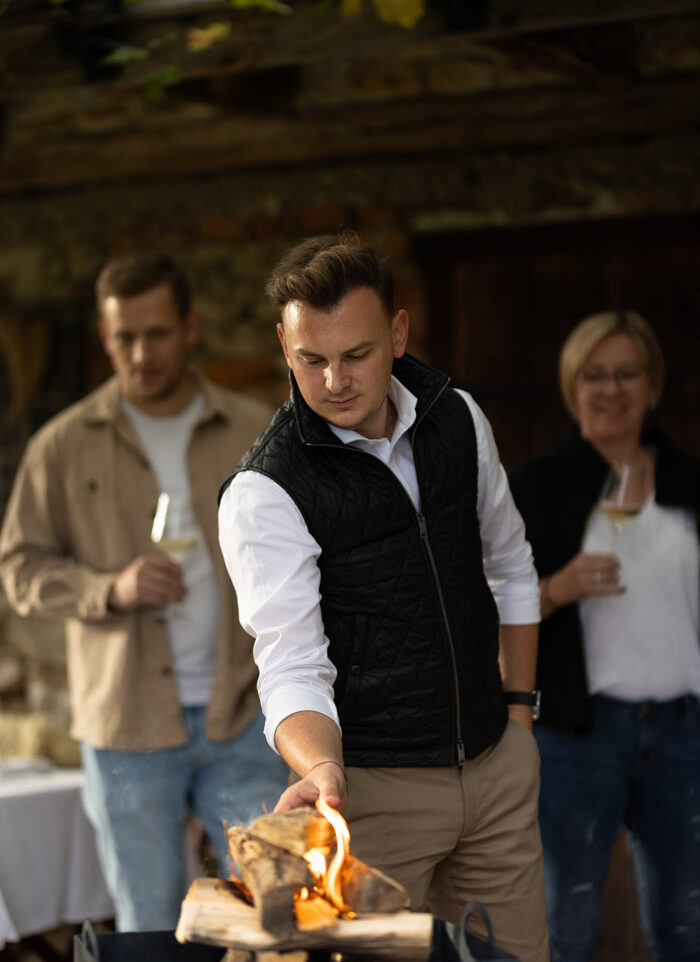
(49, 870)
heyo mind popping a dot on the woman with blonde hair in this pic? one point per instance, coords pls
(619, 660)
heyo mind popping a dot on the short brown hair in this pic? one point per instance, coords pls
(320, 271)
(138, 273)
(588, 334)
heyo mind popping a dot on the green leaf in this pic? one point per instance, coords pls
(126, 54)
(157, 83)
(271, 6)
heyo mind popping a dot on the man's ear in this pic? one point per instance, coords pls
(399, 332)
(103, 334)
(192, 325)
(283, 342)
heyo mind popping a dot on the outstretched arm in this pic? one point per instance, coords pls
(272, 560)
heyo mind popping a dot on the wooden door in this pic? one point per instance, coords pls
(500, 304)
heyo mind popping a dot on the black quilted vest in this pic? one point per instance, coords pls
(412, 624)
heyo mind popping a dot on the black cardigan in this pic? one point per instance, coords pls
(555, 495)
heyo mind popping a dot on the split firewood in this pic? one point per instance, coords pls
(272, 875)
(216, 915)
(296, 831)
(366, 889)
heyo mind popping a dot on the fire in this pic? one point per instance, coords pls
(326, 900)
(332, 887)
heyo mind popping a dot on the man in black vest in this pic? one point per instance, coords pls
(382, 569)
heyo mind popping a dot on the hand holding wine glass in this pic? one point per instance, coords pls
(624, 493)
(173, 534)
(154, 580)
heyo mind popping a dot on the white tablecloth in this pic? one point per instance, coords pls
(49, 871)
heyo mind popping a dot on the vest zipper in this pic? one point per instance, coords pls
(423, 527)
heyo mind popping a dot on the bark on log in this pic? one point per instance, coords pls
(272, 876)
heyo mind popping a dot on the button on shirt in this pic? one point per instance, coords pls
(272, 560)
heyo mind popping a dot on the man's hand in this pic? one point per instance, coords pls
(150, 581)
(325, 780)
(311, 745)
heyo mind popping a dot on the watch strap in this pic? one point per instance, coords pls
(531, 698)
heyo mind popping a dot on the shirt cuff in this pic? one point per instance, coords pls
(289, 699)
(93, 606)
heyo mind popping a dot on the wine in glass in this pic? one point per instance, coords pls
(172, 535)
(623, 494)
(168, 531)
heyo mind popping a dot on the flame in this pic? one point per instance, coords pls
(331, 882)
(317, 862)
(322, 904)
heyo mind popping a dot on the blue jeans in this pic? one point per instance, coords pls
(139, 801)
(639, 767)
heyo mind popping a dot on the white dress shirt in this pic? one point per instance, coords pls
(272, 560)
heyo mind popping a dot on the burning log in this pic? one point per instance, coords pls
(297, 831)
(308, 893)
(272, 875)
(214, 914)
(366, 889)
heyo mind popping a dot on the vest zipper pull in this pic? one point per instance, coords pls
(422, 526)
(461, 754)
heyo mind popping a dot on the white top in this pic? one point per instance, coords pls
(644, 644)
(192, 623)
(272, 560)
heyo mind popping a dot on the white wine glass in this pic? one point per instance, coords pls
(171, 532)
(623, 494)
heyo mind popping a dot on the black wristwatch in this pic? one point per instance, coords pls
(532, 698)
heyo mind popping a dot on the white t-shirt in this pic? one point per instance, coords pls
(193, 622)
(644, 644)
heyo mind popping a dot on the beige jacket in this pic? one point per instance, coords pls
(81, 509)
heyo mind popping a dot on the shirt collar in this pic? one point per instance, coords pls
(405, 404)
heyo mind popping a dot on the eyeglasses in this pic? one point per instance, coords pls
(625, 377)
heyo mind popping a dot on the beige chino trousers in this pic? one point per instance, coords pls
(451, 835)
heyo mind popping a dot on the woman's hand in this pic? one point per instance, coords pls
(585, 576)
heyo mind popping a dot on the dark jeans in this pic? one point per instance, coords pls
(639, 767)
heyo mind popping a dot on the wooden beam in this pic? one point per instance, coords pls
(426, 126)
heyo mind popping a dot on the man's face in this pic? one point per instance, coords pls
(147, 342)
(342, 358)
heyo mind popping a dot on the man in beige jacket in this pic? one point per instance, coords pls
(162, 678)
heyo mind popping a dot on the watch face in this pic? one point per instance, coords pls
(536, 705)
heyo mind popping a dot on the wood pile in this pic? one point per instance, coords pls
(277, 908)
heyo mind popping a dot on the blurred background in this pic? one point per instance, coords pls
(520, 163)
